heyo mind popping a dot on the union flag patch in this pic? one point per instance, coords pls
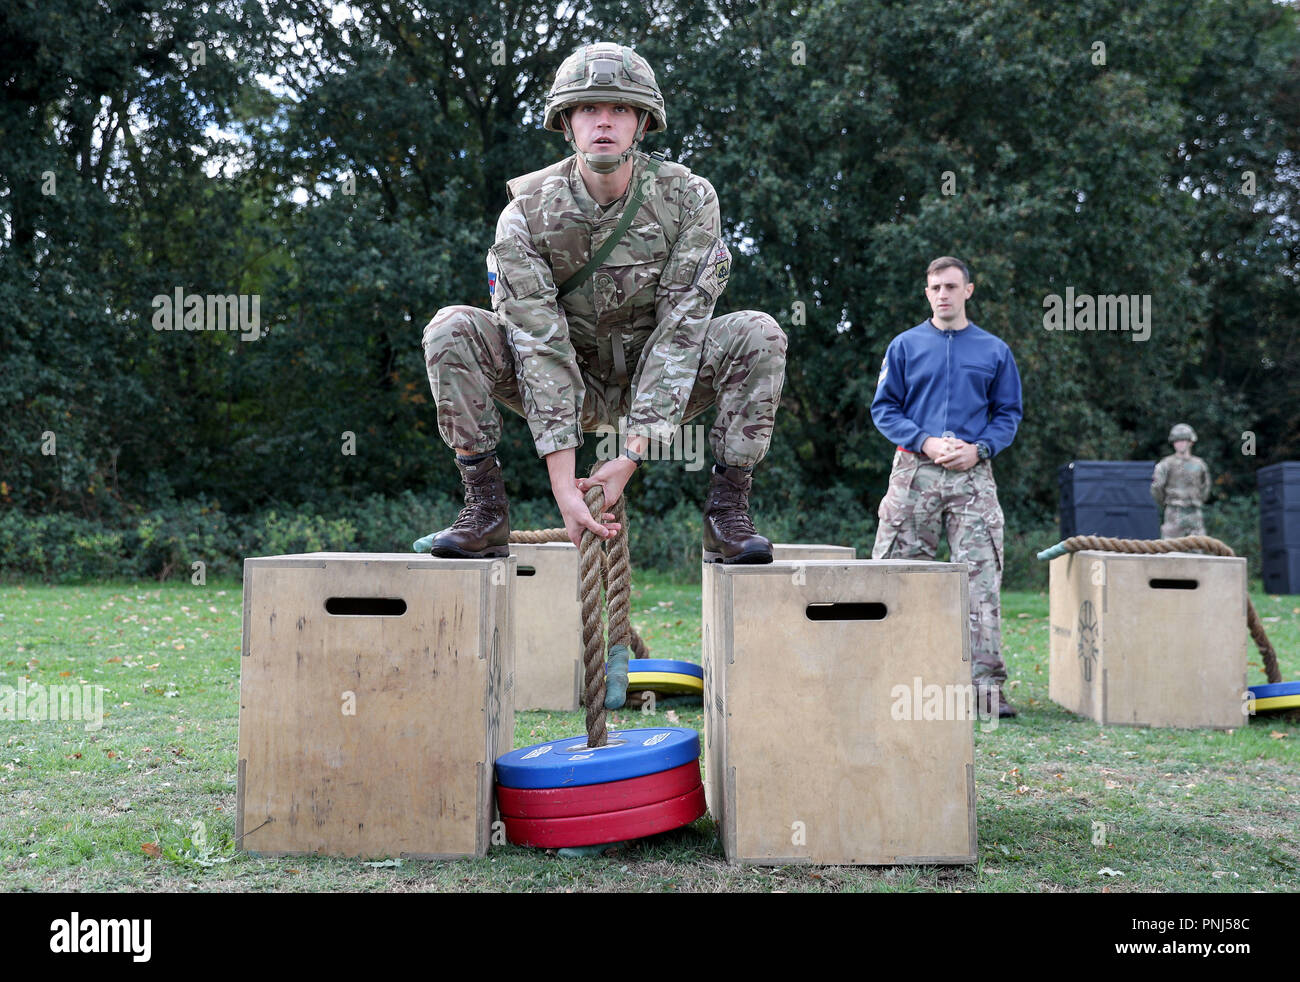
(722, 264)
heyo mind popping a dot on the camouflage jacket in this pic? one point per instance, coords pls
(640, 319)
(1180, 481)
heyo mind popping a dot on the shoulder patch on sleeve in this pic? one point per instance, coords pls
(714, 271)
(722, 264)
(492, 273)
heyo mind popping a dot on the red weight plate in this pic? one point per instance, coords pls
(596, 799)
(593, 830)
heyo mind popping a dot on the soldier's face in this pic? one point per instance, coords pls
(948, 291)
(1181, 447)
(603, 127)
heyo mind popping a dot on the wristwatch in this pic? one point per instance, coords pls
(636, 458)
(984, 450)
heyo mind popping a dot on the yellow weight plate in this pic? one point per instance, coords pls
(666, 682)
(1274, 702)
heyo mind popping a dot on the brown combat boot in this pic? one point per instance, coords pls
(991, 700)
(482, 529)
(1005, 709)
(729, 535)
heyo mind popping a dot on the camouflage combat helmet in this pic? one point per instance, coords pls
(605, 72)
(1182, 431)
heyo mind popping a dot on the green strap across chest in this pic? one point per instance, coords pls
(624, 223)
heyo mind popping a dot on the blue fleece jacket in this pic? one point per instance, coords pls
(934, 381)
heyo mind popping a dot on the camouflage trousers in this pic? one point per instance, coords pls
(742, 370)
(1182, 520)
(923, 499)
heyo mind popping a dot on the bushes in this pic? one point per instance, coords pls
(59, 547)
(1236, 522)
(165, 542)
(1023, 539)
(169, 540)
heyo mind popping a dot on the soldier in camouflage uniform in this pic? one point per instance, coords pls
(949, 396)
(579, 336)
(1180, 485)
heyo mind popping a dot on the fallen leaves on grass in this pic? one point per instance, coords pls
(1107, 871)
(1277, 735)
(151, 849)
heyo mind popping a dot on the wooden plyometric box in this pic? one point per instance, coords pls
(796, 551)
(1149, 640)
(817, 746)
(374, 699)
(548, 627)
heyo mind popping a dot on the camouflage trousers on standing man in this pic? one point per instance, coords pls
(1182, 520)
(742, 369)
(923, 500)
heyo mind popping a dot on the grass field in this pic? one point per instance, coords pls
(147, 801)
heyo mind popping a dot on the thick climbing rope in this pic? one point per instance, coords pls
(1188, 543)
(603, 566)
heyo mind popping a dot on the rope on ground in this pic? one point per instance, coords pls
(1188, 543)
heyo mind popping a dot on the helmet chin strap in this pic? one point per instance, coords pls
(606, 163)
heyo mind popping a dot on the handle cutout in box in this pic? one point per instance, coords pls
(846, 612)
(365, 606)
(1157, 584)
(526, 571)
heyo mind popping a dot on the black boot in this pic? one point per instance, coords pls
(991, 700)
(729, 535)
(482, 529)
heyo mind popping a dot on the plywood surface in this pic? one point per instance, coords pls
(1169, 645)
(786, 551)
(373, 735)
(548, 626)
(806, 760)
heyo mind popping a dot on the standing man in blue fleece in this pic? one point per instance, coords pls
(949, 397)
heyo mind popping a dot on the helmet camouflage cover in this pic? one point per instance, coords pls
(1182, 431)
(605, 72)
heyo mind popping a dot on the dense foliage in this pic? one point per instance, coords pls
(348, 170)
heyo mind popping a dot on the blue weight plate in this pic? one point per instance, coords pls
(1270, 691)
(570, 762)
(665, 665)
